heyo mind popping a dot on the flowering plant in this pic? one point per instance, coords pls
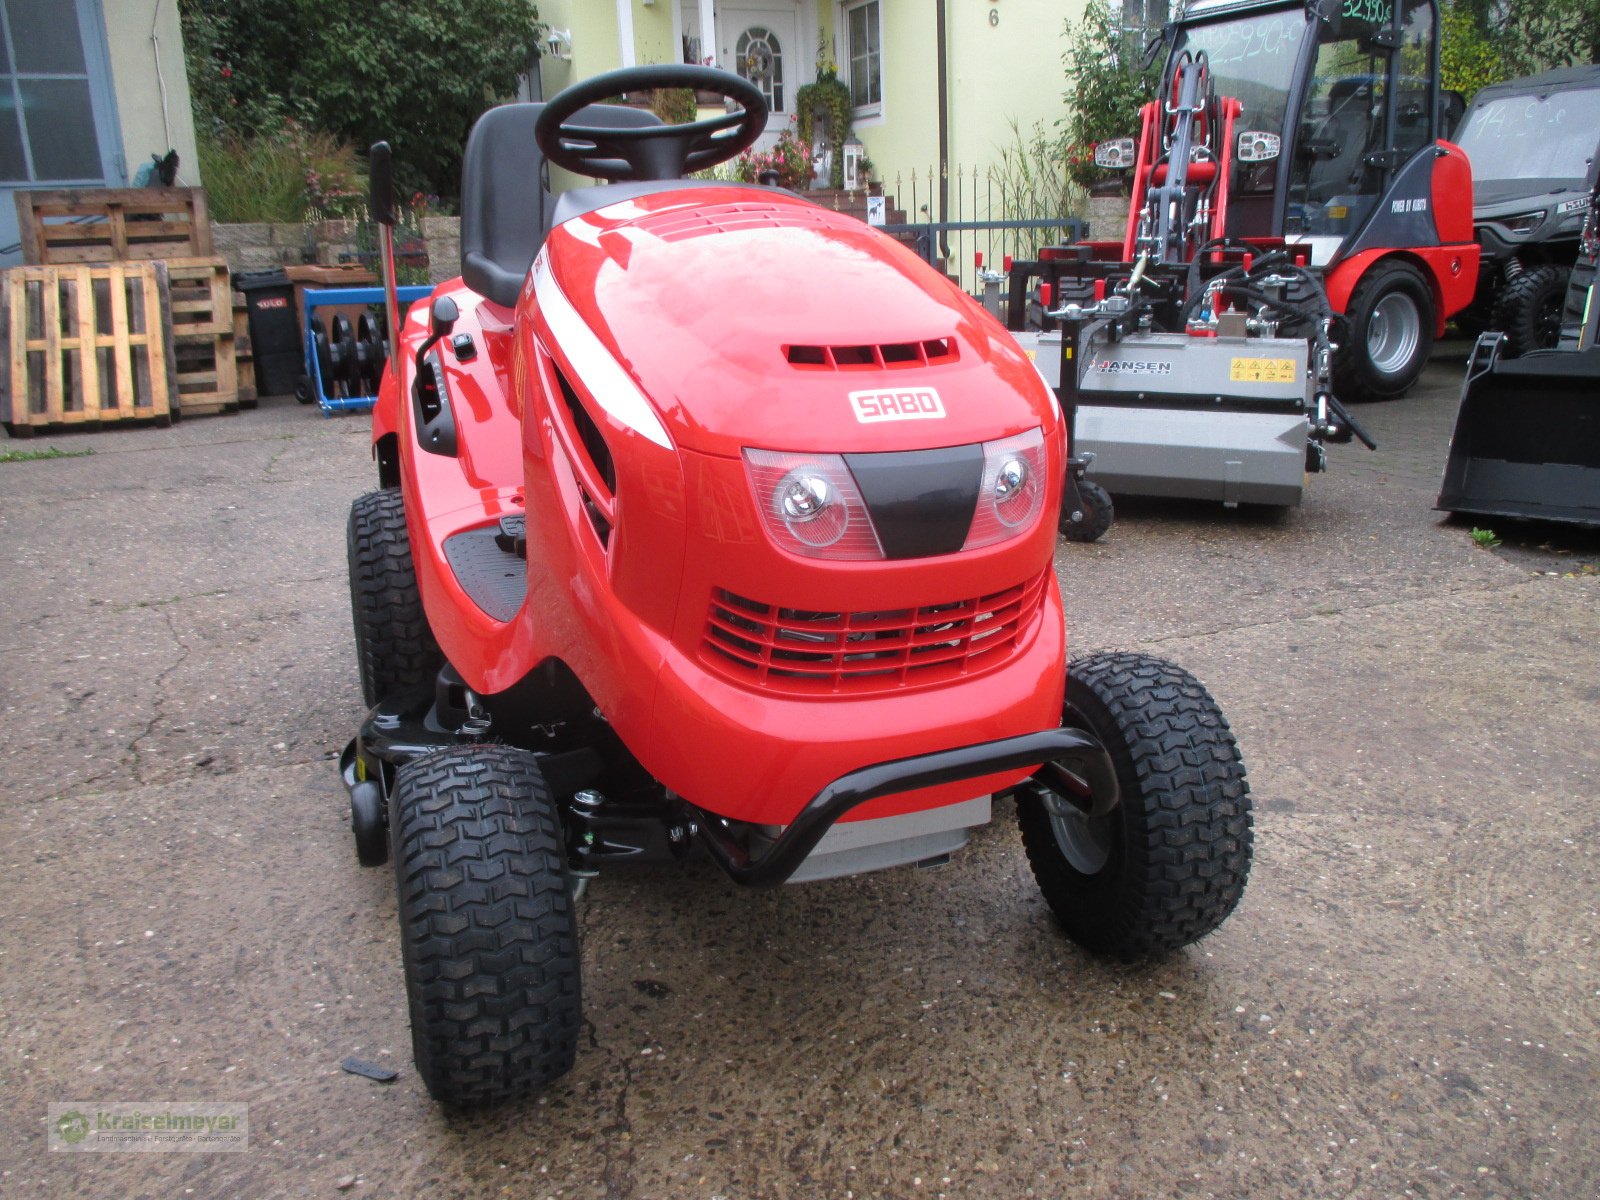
(789, 157)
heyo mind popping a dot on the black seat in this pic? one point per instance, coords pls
(505, 205)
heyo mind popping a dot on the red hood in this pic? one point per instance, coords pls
(702, 296)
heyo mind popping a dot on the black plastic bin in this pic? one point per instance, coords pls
(275, 342)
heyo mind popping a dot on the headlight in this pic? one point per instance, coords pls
(811, 505)
(1118, 154)
(1524, 222)
(1013, 489)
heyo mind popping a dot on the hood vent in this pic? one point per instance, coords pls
(932, 352)
(678, 225)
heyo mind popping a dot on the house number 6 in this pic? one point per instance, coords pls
(994, 16)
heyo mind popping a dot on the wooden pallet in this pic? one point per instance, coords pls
(90, 225)
(243, 353)
(199, 311)
(86, 345)
(205, 381)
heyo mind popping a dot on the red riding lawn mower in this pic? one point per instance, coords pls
(1297, 236)
(712, 521)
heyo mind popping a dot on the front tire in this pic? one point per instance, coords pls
(395, 649)
(1530, 310)
(488, 928)
(1389, 322)
(1169, 863)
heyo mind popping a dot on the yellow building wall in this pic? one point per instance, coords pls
(595, 45)
(652, 33)
(1000, 72)
(141, 66)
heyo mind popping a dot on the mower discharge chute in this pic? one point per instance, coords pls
(1296, 237)
(1527, 435)
(713, 519)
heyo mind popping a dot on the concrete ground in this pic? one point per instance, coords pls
(1407, 1003)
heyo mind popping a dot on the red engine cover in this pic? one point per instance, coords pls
(678, 329)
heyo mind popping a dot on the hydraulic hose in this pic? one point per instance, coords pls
(1316, 311)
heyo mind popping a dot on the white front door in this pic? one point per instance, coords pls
(762, 43)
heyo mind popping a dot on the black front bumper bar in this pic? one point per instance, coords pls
(1070, 762)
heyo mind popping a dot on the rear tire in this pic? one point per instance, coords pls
(1169, 863)
(1389, 323)
(488, 928)
(1094, 518)
(395, 649)
(1529, 312)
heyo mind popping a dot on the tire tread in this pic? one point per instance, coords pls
(487, 922)
(1518, 307)
(395, 648)
(1188, 842)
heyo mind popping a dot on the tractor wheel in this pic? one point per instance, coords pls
(1389, 322)
(1093, 517)
(1530, 310)
(395, 649)
(488, 927)
(1169, 863)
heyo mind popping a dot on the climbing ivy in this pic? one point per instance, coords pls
(675, 106)
(829, 99)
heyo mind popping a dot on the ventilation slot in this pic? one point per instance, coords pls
(677, 225)
(598, 470)
(932, 352)
(833, 653)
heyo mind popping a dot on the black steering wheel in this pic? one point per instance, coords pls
(651, 151)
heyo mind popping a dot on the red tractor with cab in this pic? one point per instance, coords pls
(1298, 233)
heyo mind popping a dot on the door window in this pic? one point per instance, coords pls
(1414, 101)
(1343, 120)
(760, 60)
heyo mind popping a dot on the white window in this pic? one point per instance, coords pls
(864, 60)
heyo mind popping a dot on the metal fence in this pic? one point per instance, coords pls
(986, 213)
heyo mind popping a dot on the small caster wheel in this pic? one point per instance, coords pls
(1087, 520)
(367, 823)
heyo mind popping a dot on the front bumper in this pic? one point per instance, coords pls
(1070, 761)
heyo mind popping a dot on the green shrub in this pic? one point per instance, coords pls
(1106, 85)
(1033, 179)
(278, 176)
(414, 72)
(1468, 59)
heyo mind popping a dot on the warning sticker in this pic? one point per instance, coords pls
(1262, 370)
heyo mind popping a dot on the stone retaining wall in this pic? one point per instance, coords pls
(260, 247)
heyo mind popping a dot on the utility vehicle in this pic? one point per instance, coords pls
(714, 522)
(1531, 142)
